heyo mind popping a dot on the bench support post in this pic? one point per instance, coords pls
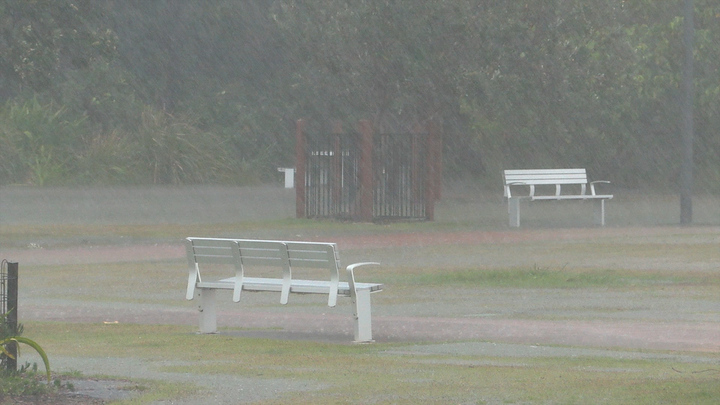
(600, 212)
(207, 309)
(362, 315)
(514, 212)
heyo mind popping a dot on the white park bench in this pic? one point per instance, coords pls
(279, 258)
(536, 181)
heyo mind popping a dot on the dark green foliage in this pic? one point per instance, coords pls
(10, 334)
(37, 142)
(44, 39)
(530, 83)
(24, 382)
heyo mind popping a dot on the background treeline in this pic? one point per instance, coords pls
(176, 92)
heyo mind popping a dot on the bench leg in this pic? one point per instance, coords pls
(514, 212)
(600, 212)
(206, 307)
(363, 318)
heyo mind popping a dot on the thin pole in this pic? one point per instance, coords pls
(12, 317)
(686, 175)
(366, 170)
(300, 168)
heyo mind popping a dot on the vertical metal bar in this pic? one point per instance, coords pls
(430, 174)
(416, 176)
(687, 131)
(3, 289)
(366, 171)
(12, 317)
(436, 142)
(300, 169)
(336, 169)
(355, 175)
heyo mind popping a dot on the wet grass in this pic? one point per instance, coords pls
(63, 235)
(383, 373)
(674, 267)
(678, 249)
(537, 277)
(162, 282)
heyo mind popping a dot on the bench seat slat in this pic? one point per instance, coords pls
(297, 286)
(568, 197)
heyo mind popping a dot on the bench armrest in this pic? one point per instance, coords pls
(508, 194)
(592, 185)
(193, 270)
(351, 275)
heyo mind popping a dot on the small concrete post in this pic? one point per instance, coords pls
(289, 176)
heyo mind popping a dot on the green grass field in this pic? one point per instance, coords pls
(624, 275)
(386, 373)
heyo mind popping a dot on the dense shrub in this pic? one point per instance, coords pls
(42, 144)
(37, 141)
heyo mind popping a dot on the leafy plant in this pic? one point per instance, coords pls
(172, 150)
(36, 141)
(10, 335)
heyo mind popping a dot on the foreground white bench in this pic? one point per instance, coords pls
(533, 180)
(279, 257)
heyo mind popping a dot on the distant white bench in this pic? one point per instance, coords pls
(535, 181)
(280, 258)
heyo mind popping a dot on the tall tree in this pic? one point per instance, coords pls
(44, 38)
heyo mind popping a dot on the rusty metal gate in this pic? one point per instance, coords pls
(332, 176)
(399, 176)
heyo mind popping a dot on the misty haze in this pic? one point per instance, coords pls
(539, 182)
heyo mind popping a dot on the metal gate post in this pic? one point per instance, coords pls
(12, 314)
(366, 171)
(433, 175)
(336, 170)
(300, 168)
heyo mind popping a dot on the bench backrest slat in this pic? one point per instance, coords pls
(265, 253)
(282, 255)
(317, 255)
(211, 251)
(545, 176)
(216, 251)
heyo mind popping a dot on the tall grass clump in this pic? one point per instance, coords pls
(43, 145)
(171, 150)
(164, 150)
(37, 141)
